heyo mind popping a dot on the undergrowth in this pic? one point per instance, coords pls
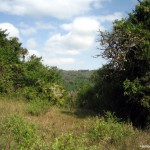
(56, 130)
(110, 129)
(37, 107)
(18, 133)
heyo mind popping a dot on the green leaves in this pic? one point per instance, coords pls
(126, 84)
(28, 77)
(109, 129)
(132, 88)
(20, 132)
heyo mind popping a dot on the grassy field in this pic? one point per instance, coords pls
(62, 129)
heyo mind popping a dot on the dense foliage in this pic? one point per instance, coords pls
(27, 77)
(123, 84)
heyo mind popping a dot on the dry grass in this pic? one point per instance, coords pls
(10, 106)
(54, 123)
(57, 122)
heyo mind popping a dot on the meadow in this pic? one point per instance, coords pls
(64, 129)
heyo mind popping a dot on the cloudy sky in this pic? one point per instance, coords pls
(63, 32)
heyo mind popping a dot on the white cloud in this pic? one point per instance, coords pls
(34, 52)
(61, 9)
(80, 37)
(52, 60)
(28, 30)
(110, 17)
(31, 43)
(72, 52)
(84, 25)
(11, 29)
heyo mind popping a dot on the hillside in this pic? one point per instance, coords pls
(73, 80)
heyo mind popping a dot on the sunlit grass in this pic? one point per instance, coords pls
(10, 106)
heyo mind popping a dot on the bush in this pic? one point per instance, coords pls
(71, 142)
(64, 143)
(17, 133)
(108, 128)
(86, 97)
(37, 107)
(29, 93)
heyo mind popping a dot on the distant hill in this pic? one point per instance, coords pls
(73, 80)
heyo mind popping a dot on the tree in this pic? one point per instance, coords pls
(29, 79)
(127, 50)
(23, 53)
(11, 75)
(123, 84)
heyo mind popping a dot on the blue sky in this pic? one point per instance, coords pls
(63, 32)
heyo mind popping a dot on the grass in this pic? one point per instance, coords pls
(61, 129)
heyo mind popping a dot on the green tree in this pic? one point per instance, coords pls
(127, 49)
(123, 84)
(28, 78)
(10, 65)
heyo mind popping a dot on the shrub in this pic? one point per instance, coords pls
(37, 107)
(64, 143)
(57, 95)
(108, 128)
(17, 133)
(29, 93)
(71, 142)
(86, 98)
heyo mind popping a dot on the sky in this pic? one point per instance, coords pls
(63, 32)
